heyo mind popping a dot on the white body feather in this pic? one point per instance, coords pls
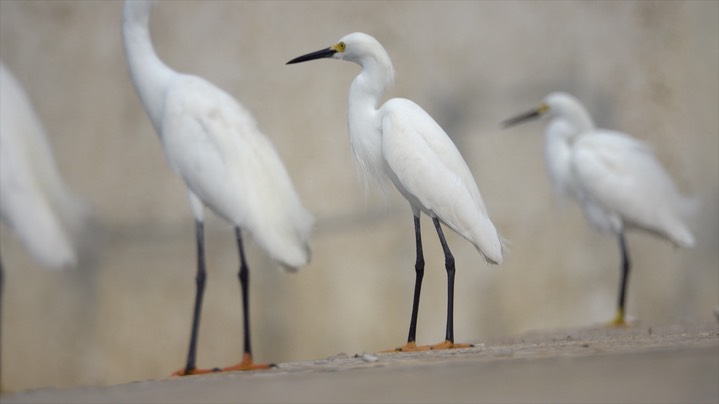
(402, 142)
(615, 178)
(214, 145)
(34, 200)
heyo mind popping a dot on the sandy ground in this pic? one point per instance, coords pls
(635, 364)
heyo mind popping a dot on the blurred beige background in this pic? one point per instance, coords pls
(650, 69)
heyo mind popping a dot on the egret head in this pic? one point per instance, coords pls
(558, 104)
(357, 47)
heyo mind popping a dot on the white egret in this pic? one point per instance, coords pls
(35, 202)
(400, 141)
(228, 165)
(615, 178)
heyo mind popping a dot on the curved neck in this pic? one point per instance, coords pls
(583, 120)
(579, 118)
(149, 74)
(364, 119)
(369, 86)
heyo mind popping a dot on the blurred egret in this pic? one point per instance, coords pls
(35, 203)
(614, 177)
(228, 165)
(400, 141)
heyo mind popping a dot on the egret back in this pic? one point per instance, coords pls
(429, 171)
(215, 146)
(621, 176)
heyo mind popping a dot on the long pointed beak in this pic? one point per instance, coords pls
(526, 116)
(320, 54)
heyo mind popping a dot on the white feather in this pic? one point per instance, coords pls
(616, 179)
(214, 145)
(35, 202)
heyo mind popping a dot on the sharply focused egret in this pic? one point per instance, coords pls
(614, 177)
(228, 165)
(401, 141)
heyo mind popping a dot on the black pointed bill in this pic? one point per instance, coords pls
(535, 113)
(320, 54)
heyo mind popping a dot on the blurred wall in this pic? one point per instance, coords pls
(648, 68)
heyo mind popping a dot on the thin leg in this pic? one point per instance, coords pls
(244, 275)
(419, 274)
(449, 266)
(624, 280)
(190, 367)
(2, 289)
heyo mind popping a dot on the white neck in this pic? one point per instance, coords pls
(149, 74)
(363, 115)
(579, 118)
(582, 120)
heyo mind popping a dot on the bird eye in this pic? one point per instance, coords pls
(341, 47)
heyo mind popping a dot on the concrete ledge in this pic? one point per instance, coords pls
(634, 364)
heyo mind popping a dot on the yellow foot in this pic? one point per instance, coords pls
(618, 320)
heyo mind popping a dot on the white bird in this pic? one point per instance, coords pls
(615, 178)
(35, 202)
(400, 141)
(227, 164)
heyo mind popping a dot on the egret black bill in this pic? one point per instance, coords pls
(522, 117)
(320, 54)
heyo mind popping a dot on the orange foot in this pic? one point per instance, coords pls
(447, 344)
(409, 347)
(413, 347)
(246, 364)
(185, 372)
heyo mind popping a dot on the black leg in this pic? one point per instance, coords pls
(449, 266)
(244, 276)
(200, 280)
(2, 293)
(624, 279)
(419, 272)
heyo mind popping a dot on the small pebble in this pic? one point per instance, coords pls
(367, 357)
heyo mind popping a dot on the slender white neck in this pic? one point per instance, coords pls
(579, 118)
(149, 74)
(363, 116)
(369, 86)
(583, 120)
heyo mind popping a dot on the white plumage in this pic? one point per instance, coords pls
(35, 202)
(214, 145)
(620, 184)
(615, 178)
(400, 141)
(429, 171)
(228, 165)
